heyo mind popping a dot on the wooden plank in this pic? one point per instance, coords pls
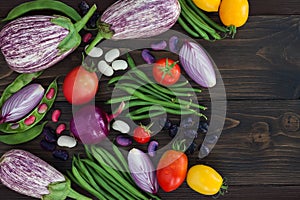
(259, 142)
(257, 7)
(253, 66)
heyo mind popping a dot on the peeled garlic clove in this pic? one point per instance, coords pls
(111, 55)
(119, 65)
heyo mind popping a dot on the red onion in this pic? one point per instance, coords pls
(142, 171)
(197, 64)
(21, 103)
(90, 124)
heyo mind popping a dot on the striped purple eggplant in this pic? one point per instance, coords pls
(131, 19)
(141, 18)
(34, 43)
(27, 174)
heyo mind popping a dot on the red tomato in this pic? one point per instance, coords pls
(171, 170)
(80, 86)
(141, 134)
(166, 71)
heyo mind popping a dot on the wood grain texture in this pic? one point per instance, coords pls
(258, 151)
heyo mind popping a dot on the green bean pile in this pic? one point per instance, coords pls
(144, 93)
(194, 21)
(105, 176)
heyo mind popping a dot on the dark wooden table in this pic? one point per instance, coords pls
(259, 147)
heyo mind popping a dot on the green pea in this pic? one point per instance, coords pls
(21, 126)
(22, 137)
(17, 84)
(42, 5)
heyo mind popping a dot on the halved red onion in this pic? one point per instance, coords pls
(197, 64)
(21, 103)
(142, 170)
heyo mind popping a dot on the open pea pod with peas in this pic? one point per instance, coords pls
(26, 128)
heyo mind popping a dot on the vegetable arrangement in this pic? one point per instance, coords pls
(33, 43)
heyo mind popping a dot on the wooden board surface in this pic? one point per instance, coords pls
(259, 148)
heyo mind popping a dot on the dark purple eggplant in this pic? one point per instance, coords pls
(34, 43)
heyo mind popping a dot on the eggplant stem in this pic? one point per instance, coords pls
(81, 23)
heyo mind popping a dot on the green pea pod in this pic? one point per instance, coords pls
(21, 126)
(19, 82)
(43, 5)
(22, 137)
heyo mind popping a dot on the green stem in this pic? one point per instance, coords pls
(97, 39)
(104, 32)
(80, 24)
(75, 195)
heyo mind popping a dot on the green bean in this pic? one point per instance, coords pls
(148, 86)
(17, 84)
(168, 110)
(147, 116)
(22, 137)
(130, 61)
(186, 90)
(113, 176)
(9, 127)
(88, 153)
(194, 25)
(197, 21)
(187, 28)
(181, 84)
(112, 162)
(85, 185)
(136, 103)
(116, 175)
(116, 192)
(43, 5)
(196, 18)
(88, 177)
(144, 90)
(121, 158)
(114, 79)
(150, 99)
(120, 99)
(206, 18)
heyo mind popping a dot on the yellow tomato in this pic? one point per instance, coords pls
(234, 12)
(208, 5)
(204, 179)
